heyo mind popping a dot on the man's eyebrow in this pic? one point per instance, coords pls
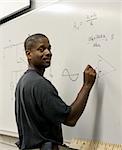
(41, 46)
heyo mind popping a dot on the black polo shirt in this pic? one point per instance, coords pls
(39, 111)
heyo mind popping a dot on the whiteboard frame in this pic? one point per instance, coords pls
(16, 13)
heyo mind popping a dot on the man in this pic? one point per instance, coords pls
(39, 109)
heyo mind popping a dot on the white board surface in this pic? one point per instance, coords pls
(80, 34)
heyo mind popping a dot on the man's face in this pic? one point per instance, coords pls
(40, 55)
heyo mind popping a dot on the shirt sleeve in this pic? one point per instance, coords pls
(50, 103)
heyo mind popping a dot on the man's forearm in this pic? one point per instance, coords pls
(78, 106)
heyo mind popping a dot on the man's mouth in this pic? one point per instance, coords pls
(48, 59)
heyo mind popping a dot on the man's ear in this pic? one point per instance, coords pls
(28, 54)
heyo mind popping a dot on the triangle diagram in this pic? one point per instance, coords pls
(104, 67)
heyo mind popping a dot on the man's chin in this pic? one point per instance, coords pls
(47, 65)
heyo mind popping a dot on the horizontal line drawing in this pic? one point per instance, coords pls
(13, 45)
(72, 77)
(91, 19)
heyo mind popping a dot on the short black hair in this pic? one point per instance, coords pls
(30, 41)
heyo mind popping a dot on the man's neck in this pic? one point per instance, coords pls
(40, 71)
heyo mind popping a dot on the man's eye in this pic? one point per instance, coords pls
(41, 49)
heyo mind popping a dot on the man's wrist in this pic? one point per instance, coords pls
(87, 86)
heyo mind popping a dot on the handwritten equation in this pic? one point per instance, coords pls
(97, 39)
(89, 19)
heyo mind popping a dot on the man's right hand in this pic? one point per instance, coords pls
(89, 76)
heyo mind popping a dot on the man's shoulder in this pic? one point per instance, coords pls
(30, 78)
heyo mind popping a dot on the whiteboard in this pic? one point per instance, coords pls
(80, 34)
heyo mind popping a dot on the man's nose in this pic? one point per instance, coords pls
(48, 52)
